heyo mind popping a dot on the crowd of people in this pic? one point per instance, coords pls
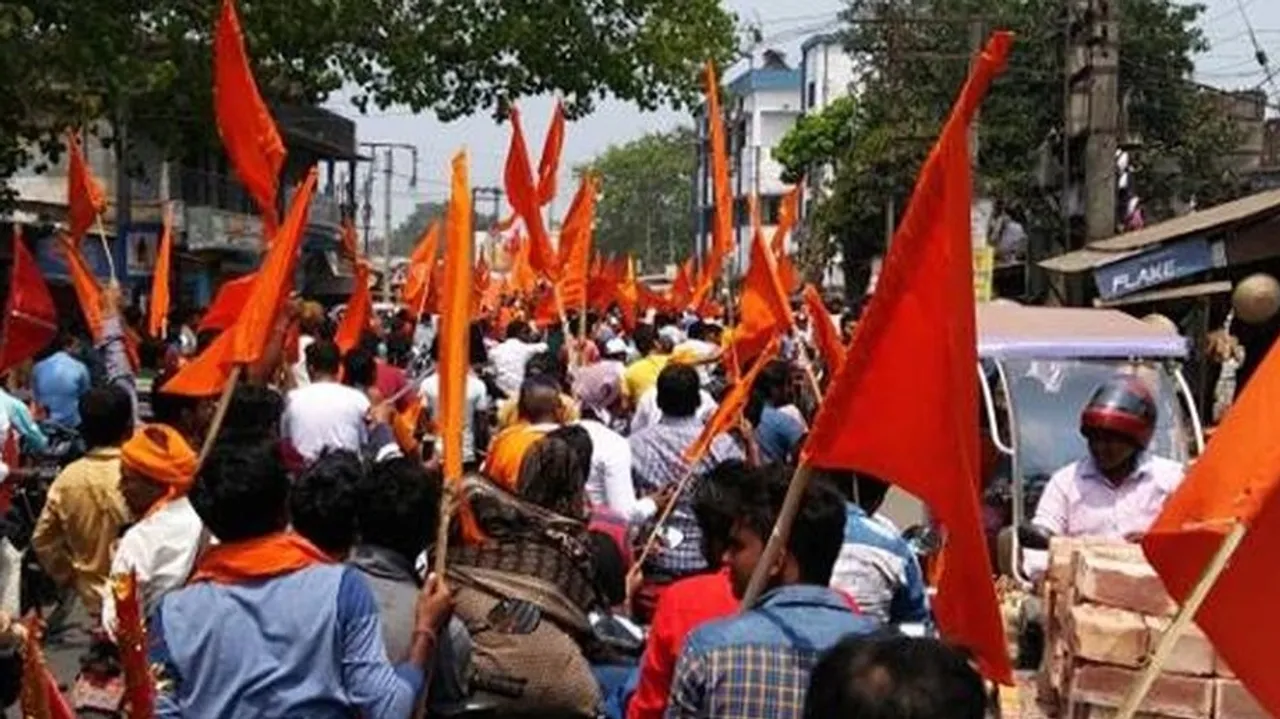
(289, 572)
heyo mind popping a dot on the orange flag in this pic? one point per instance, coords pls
(417, 283)
(628, 295)
(826, 334)
(523, 196)
(549, 165)
(918, 340)
(359, 309)
(30, 319)
(85, 285)
(1235, 480)
(85, 199)
(158, 308)
(481, 283)
(763, 308)
(228, 302)
(248, 133)
(682, 286)
(787, 216)
(575, 244)
(523, 278)
(722, 222)
(404, 425)
(246, 341)
(455, 320)
(729, 412)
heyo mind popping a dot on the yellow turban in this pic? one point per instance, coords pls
(159, 453)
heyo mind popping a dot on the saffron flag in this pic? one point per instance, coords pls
(1235, 480)
(228, 302)
(248, 133)
(88, 293)
(85, 198)
(826, 334)
(523, 196)
(359, 309)
(722, 222)
(787, 216)
(918, 340)
(763, 308)
(729, 412)
(158, 306)
(522, 277)
(455, 320)
(682, 287)
(246, 340)
(30, 318)
(575, 244)
(628, 295)
(549, 164)
(417, 283)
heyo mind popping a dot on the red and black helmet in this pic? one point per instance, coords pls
(1122, 406)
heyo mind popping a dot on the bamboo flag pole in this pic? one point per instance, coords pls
(652, 542)
(220, 414)
(106, 249)
(1186, 614)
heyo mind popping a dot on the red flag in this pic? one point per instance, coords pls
(918, 340)
(417, 281)
(85, 199)
(228, 303)
(30, 320)
(359, 309)
(1234, 481)
(131, 636)
(88, 293)
(523, 196)
(826, 335)
(12, 459)
(549, 165)
(729, 412)
(248, 133)
(628, 296)
(722, 222)
(158, 309)
(246, 341)
(787, 216)
(575, 244)
(682, 287)
(455, 321)
(763, 308)
(522, 277)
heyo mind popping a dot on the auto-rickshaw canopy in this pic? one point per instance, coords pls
(1012, 331)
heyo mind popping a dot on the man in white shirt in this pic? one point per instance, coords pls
(477, 402)
(511, 355)
(324, 413)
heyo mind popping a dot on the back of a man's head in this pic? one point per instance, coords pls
(323, 358)
(717, 504)
(539, 401)
(894, 677)
(106, 416)
(253, 415)
(322, 503)
(242, 491)
(360, 368)
(518, 330)
(646, 338)
(547, 364)
(679, 391)
(818, 532)
(397, 506)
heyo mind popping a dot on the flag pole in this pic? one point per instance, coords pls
(778, 538)
(564, 325)
(1186, 614)
(667, 509)
(106, 249)
(220, 414)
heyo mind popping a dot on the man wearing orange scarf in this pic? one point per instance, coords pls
(157, 467)
(268, 626)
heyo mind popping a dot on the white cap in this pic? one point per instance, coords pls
(616, 346)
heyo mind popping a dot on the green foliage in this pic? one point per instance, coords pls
(915, 68)
(69, 61)
(405, 237)
(644, 208)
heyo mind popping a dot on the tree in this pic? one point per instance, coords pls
(405, 237)
(646, 196)
(70, 61)
(915, 55)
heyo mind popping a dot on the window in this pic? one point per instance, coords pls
(813, 94)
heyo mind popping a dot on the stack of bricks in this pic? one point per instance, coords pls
(1105, 610)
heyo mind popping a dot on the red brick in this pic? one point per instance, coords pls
(1109, 635)
(1124, 585)
(1233, 701)
(1172, 695)
(1193, 654)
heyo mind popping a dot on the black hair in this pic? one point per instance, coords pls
(891, 676)
(168, 408)
(679, 392)
(548, 364)
(818, 531)
(539, 399)
(106, 416)
(717, 504)
(369, 342)
(865, 490)
(242, 490)
(253, 414)
(399, 349)
(477, 355)
(323, 356)
(360, 368)
(702, 330)
(398, 505)
(518, 330)
(551, 477)
(646, 338)
(322, 504)
(580, 441)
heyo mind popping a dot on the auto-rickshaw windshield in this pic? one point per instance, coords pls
(1047, 397)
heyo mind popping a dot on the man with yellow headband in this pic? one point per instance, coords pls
(157, 467)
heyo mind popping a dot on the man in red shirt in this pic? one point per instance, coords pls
(692, 601)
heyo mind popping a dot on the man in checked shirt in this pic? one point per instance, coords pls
(757, 663)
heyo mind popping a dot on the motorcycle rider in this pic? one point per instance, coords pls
(1118, 490)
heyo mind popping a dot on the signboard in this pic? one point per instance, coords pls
(213, 229)
(1154, 268)
(141, 244)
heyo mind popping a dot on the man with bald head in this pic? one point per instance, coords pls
(538, 413)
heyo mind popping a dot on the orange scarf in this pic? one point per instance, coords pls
(254, 559)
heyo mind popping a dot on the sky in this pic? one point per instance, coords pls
(1230, 63)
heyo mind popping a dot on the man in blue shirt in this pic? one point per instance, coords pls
(778, 433)
(876, 565)
(756, 665)
(59, 380)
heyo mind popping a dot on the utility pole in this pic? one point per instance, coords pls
(389, 176)
(366, 211)
(124, 193)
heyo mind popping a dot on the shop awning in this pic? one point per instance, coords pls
(1201, 289)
